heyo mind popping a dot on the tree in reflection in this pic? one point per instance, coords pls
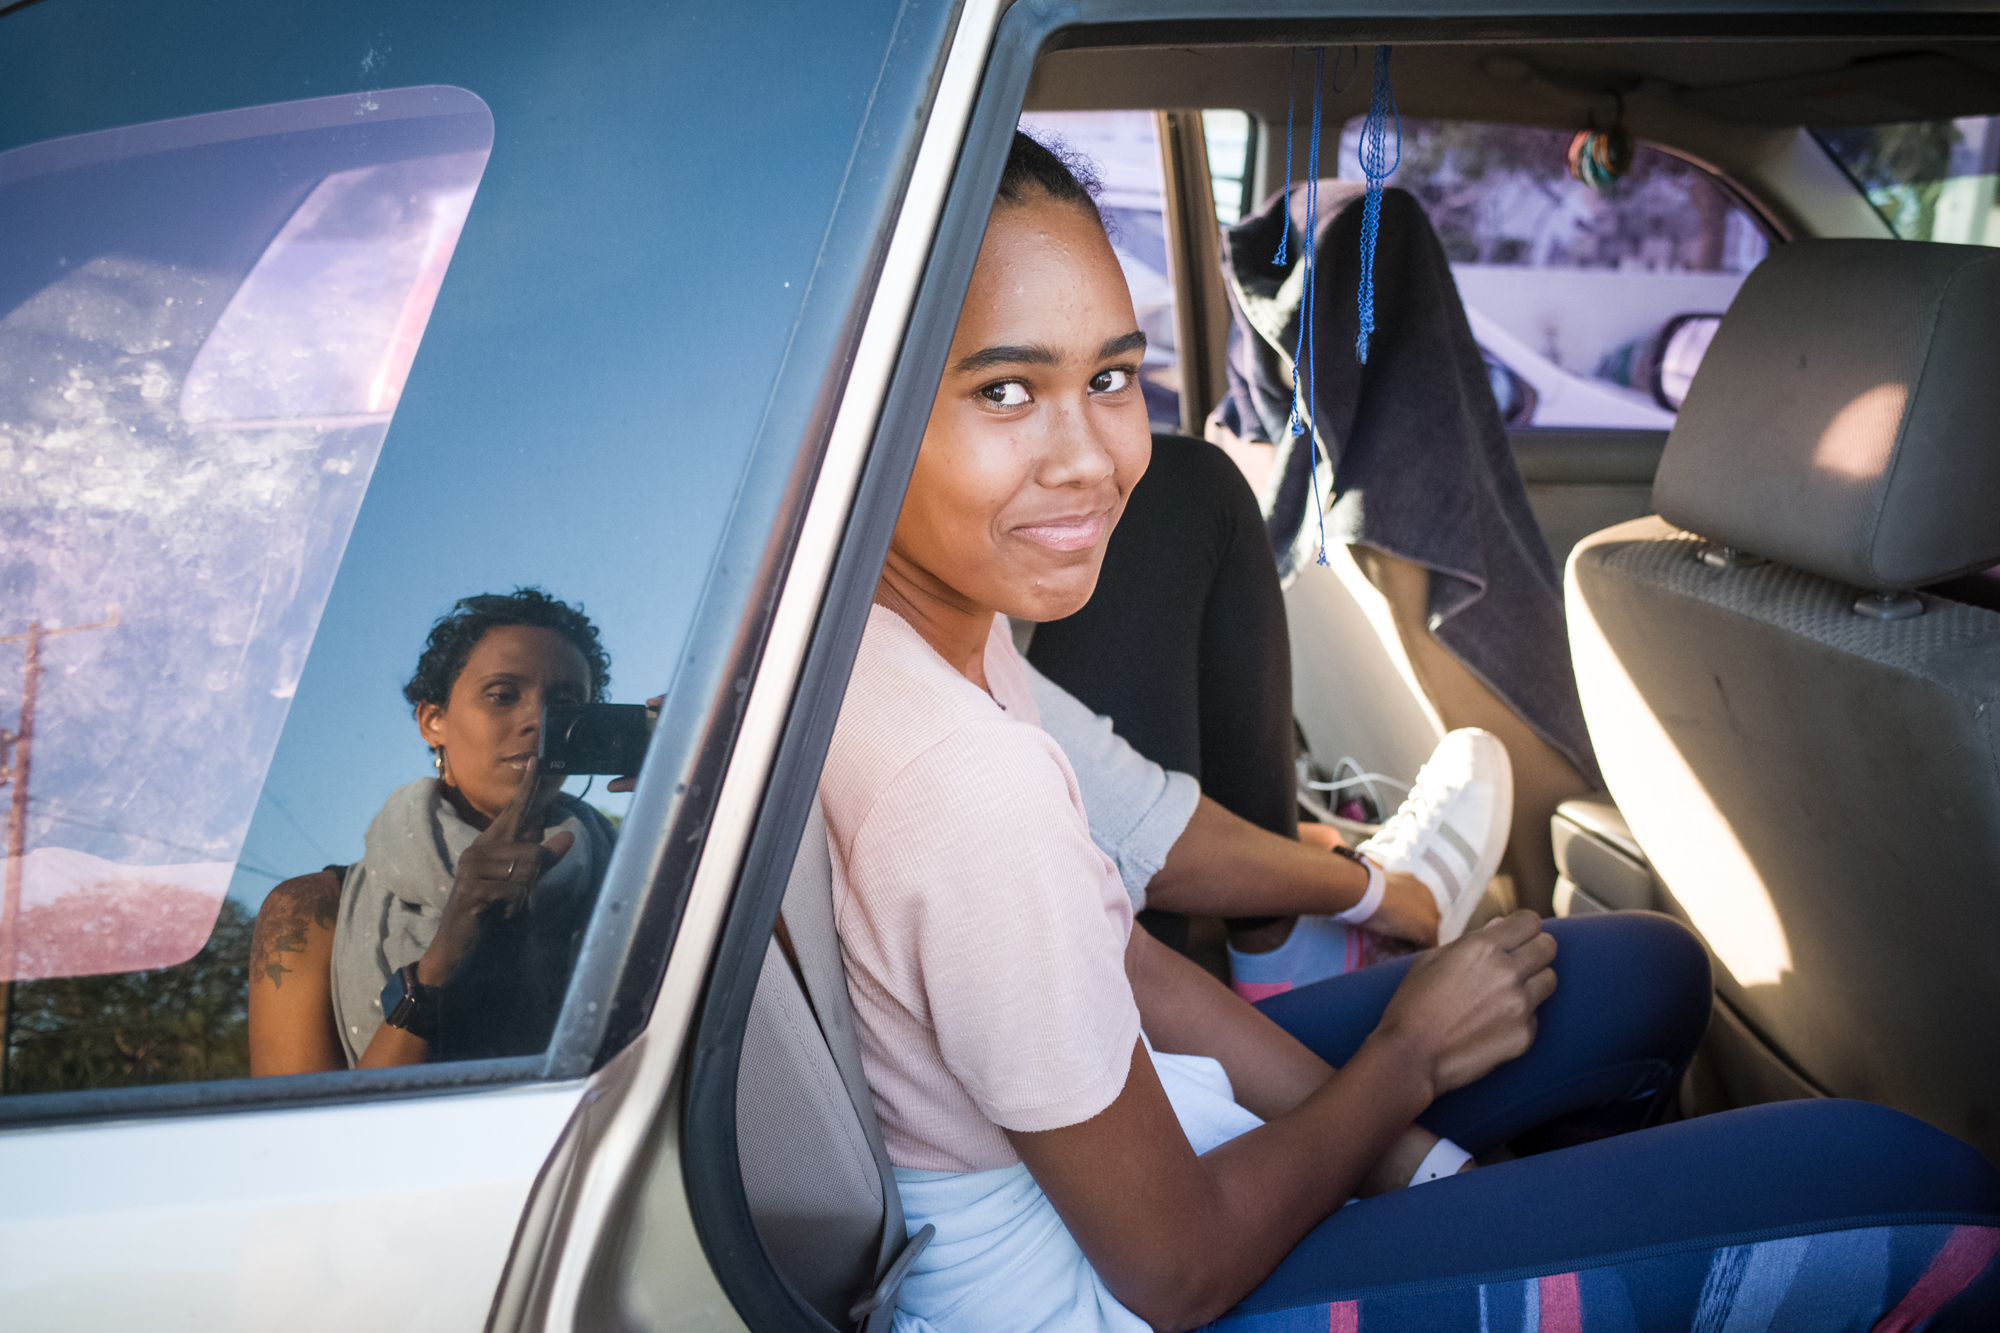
(1502, 194)
(1903, 168)
(165, 1025)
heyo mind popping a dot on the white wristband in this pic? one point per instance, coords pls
(1371, 901)
(1444, 1159)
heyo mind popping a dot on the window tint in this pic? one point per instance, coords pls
(205, 328)
(1931, 180)
(1572, 290)
(1123, 149)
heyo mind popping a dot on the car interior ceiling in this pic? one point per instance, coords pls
(1733, 106)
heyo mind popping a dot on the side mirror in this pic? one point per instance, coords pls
(1683, 343)
(1514, 396)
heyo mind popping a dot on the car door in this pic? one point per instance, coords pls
(312, 322)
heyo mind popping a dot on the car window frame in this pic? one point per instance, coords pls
(635, 926)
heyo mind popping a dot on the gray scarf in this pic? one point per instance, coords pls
(393, 898)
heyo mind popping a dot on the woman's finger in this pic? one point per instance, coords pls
(556, 846)
(541, 795)
(506, 826)
(502, 866)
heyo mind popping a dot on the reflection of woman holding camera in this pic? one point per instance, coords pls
(454, 934)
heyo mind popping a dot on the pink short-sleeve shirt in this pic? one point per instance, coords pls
(984, 933)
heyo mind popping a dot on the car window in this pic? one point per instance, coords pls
(1931, 180)
(1122, 149)
(208, 324)
(1573, 293)
(1228, 136)
(289, 372)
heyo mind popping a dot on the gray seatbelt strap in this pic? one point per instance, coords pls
(808, 919)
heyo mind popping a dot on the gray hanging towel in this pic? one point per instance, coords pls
(1421, 467)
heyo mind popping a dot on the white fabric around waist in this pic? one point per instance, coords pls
(1002, 1260)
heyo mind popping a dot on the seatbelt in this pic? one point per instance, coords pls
(807, 919)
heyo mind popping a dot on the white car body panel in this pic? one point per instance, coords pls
(380, 1215)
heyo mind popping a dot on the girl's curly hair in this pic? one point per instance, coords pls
(459, 631)
(1054, 169)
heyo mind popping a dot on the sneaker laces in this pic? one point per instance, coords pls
(1418, 813)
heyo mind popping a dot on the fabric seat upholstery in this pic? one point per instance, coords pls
(1819, 788)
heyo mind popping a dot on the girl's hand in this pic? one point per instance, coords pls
(495, 875)
(1470, 1006)
(1408, 913)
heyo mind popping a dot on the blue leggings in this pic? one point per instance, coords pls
(1808, 1216)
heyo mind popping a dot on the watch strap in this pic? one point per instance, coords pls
(409, 1004)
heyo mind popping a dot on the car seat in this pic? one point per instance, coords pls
(1804, 745)
(821, 1190)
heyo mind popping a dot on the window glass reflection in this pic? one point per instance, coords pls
(1931, 180)
(205, 327)
(1573, 291)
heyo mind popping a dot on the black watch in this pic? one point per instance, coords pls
(409, 1004)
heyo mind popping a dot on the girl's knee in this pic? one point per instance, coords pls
(1646, 971)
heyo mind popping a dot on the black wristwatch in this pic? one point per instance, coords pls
(409, 1004)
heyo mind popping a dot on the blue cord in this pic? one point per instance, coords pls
(1301, 352)
(1291, 96)
(1377, 167)
(1305, 349)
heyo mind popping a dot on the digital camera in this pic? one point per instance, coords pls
(595, 738)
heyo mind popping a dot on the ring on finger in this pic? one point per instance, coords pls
(511, 863)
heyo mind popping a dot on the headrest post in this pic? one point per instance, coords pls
(1717, 556)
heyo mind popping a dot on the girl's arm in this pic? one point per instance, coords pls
(1179, 1238)
(1185, 1010)
(292, 1029)
(1223, 865)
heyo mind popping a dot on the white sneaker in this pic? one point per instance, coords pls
(1452, 829)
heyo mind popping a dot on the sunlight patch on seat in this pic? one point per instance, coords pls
(1686, 836)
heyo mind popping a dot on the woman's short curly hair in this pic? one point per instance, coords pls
(459, 631)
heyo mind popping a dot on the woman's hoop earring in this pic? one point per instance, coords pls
(437, 759)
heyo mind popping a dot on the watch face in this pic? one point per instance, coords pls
(393, 996)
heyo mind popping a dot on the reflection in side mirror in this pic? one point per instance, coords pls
(1683, 343)
(1513, 395)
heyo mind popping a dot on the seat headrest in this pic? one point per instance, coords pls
(1846, 418)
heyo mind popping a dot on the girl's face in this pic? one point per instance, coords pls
(492, 724)
(1039, 431)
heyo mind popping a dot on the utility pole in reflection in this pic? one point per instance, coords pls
(21, 743)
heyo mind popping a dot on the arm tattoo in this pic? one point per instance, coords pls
(283, 923)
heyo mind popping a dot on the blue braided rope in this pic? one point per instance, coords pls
(1305, 352)
(1301, 356)
(1291, 97)
(1377, 166)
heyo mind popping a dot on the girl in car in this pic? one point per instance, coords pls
(1104, 1137)
(452, 937)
